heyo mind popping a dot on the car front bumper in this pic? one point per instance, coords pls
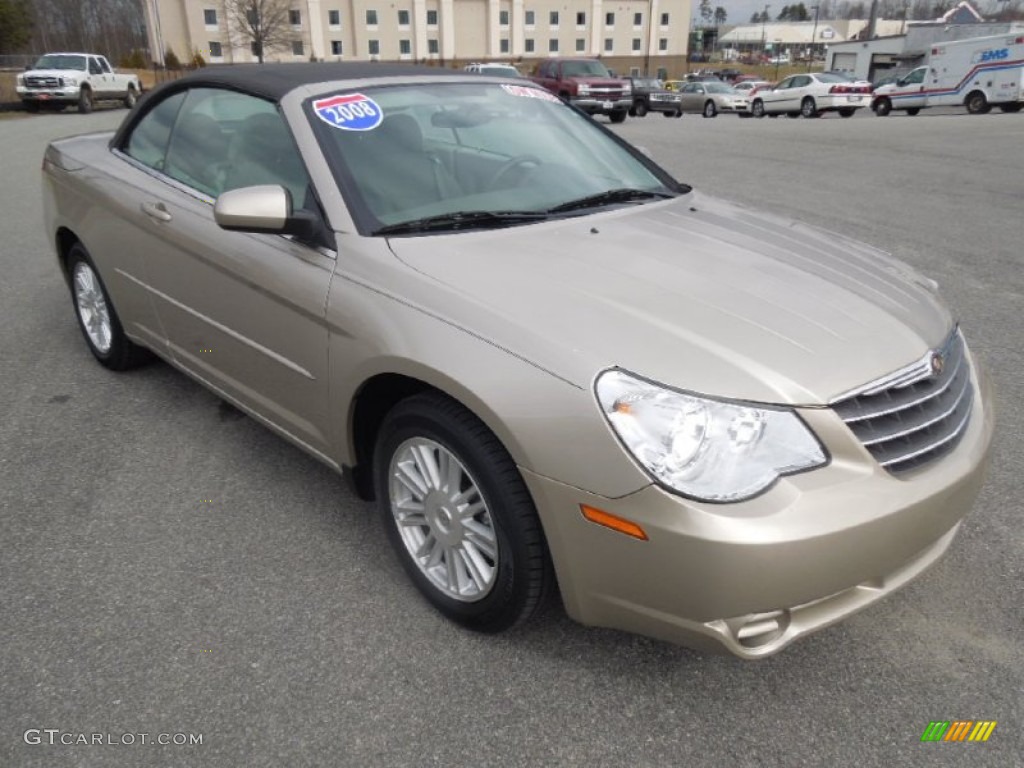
(67, 93)
(750, 578)
(595, 105)
(668, 106)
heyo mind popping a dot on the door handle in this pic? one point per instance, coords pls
(156, 211)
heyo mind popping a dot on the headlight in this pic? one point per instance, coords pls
(627, 90)
(711, 450)
(583, 90)
(20, 79)
(69, 81)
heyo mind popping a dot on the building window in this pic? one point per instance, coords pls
(216, 51)
(373, 47)
(528, 18)
(336, 48)
(334, 18)
(432, 46)
(553, 19)
(581, 44)
(431, 18)
(663, 44)
(210, 17)
(638, 19)
(609, 19)
(403, 18)
(553, 45)
(608, 45)
(297, 48)
(664, 19)
(371, 18)
(503, 18)
(295, 17)
(404, 47)
(504, 45)
(528, 45)
(636, 43)
(581, 18)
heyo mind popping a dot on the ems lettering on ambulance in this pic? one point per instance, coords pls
(351, 112)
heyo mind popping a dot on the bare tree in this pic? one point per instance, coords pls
(114, 28)
(263, 24)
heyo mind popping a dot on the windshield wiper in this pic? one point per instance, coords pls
(462, 220)
(624, 195)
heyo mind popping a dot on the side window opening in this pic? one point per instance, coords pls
(148, 141)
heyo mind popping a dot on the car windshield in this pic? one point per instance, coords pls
(515, 152)
(60, 61)
(718, 88)
(641, 82)
(833, 77)
(498, 70)
(584, 69)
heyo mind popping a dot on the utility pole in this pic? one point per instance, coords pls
(764, 22)
(814, 34)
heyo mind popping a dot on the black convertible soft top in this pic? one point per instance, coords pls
(273, 81)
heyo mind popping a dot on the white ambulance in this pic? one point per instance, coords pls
(979, 73)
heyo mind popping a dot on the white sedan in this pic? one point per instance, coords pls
(812, 94)
(709, 99)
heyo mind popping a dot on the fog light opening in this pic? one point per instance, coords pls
(761, 629)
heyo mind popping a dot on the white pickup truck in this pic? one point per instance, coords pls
(58, 80)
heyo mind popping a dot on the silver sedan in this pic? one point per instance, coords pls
(709, 99)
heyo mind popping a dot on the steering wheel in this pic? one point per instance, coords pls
(509, 166)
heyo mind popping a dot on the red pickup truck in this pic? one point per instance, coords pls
(587, 84)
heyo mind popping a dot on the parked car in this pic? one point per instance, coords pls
(586, 84)
(541, 354)
(493, 68)
(650, 95)
(811, 95)
(709, 99)
(749, 86)
(59, 80)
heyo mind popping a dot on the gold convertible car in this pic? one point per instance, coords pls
(551, 363)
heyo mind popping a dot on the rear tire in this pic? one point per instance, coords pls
(459, 516)
(130, 98)
(846, 112)
(97, 317)
(808, 108)
(85, 103)
(976, 103)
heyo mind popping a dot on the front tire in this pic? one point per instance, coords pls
(757, 108)
(85, 103)
(1011, 107)
(913, 110)
(640, 109)
(883, 107)
(710, 110)
(459, 515)
(618, 116)
(97, 317)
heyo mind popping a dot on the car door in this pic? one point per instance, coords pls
(910, 90)
(691, 97)
(775, 99)
(799, 86)
(242, 312)
(97, 79)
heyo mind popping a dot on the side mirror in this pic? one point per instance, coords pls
(264, 210)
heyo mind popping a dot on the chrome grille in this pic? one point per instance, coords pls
(38, 81)
(917, 414)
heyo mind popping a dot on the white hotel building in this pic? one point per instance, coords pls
(626, 33)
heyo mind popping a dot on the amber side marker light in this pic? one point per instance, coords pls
(614, 522)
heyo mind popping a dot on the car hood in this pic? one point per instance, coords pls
(693, 292)
(55, 72)
(592, 80)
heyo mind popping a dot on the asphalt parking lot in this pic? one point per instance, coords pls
(169, 566)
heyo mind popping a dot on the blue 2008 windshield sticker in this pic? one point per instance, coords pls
(352, 112)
